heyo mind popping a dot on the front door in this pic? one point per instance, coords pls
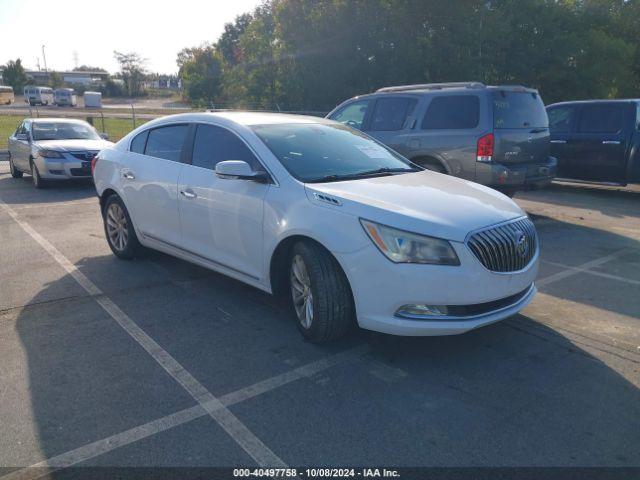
(596, 150)
(390, 121)
(222, 218)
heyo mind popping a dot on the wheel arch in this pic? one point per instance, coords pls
(278, 268)
(432, 159)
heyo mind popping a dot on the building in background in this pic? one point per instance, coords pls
(96, 78)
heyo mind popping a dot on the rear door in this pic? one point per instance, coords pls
(521, 128)
(597, 149)
(391, 120)
(150, 181)
(562, 124)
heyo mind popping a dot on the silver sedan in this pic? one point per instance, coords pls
(54, 149)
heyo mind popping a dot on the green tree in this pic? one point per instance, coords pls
(310, 55)
(14, 75)
(55, 79)
(201, 72)
(132, 71)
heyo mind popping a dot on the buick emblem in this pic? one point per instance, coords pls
(522, 244)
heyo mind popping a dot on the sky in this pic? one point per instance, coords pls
(92, 30)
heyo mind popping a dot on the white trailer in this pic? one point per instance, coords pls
(93, 100)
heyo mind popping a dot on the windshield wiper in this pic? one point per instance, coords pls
(367, 173)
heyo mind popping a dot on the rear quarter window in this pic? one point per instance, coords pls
(138, 143)
(456, 112)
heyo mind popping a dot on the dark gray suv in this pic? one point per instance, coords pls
(494, 135)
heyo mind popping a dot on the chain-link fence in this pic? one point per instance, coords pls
(115, 122)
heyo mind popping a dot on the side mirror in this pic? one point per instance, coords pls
(23, 137)
(240, 170)
(104, 136)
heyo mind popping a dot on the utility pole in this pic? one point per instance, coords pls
(75, 58)
(44, 59)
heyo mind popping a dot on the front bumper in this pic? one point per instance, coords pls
(66, 168)
(517, 177)
(380, 287)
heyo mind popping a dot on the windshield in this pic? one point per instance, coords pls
(518, 110)
(63, 131)
(321, 153)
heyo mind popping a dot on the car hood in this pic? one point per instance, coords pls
(73, 145)
(424, 202)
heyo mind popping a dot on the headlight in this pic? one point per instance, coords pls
(405, 247)
(50, 153)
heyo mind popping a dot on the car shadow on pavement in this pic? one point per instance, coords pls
(14, 191)
(614, 284)
(614, 202)
(513, 393)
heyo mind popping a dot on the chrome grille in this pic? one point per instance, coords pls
(506, 248)
(84, 155)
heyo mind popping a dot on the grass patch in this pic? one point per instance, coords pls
(116, 128)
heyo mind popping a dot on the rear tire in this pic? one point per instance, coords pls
(118, 228)
(15, 173)
(321, 298)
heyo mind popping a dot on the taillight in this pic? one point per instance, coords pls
(484, 151)
(94, 160)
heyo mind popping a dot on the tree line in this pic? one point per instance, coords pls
(312, 54)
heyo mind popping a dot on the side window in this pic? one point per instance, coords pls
(216, 144)
(390, 113)
(601, 118)
(637, 116)
(560, 119)
(166, 142)
(138, 142)
(352, 114)
(457, 112)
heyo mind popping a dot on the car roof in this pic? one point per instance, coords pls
(57, 120)
(602, 100)
(241, 118)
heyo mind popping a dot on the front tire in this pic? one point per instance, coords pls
(15, 173)
(321, 297)
(38, 182)
(118, 228)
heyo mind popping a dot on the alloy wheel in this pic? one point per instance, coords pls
(301, 291)
(117, 228)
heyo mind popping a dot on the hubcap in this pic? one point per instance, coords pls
(301, 291)
(117, 230)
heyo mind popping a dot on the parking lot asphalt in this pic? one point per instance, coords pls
(156, 362)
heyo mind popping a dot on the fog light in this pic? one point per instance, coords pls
(57, 172)
(422, 311)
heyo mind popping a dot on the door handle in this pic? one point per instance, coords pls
(188, 193)
(611, 142)
(558, 141)
(128, 175)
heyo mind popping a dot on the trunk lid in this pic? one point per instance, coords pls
(521, 127)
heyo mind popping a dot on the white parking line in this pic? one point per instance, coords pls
(571, 271)
(251, 444)
(90, 201)
(593, 272)
(181, 417)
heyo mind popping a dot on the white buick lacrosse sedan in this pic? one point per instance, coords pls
(348, 230)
